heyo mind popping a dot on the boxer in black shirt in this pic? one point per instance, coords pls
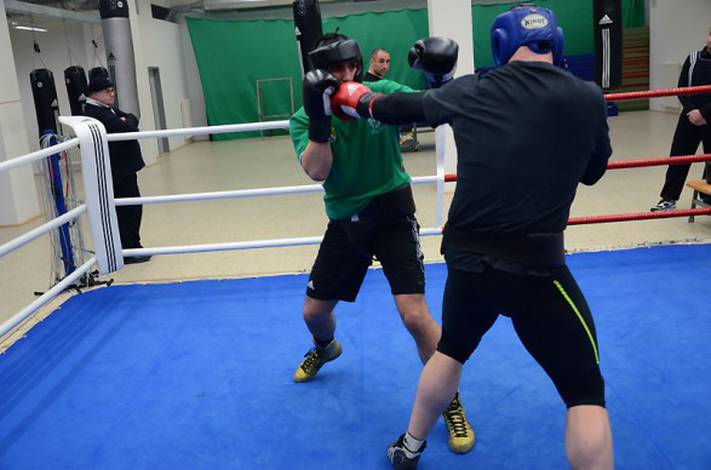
(527, 134)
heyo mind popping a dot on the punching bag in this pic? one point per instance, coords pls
(119, 53)
(607, 17)
(75, 79)
(308, 28)
(44, 93)
(45, 96)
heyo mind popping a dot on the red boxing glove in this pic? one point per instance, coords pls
(353, 100)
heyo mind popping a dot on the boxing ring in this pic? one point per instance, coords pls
(198, 374)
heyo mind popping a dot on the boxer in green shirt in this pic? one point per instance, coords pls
(371, 213)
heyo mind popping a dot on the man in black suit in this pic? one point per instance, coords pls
(126, 159)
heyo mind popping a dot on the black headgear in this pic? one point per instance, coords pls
(99, 83)
(333, 52)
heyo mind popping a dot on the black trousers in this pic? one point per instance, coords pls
(686, 140)
(550, 316)
(129, 217)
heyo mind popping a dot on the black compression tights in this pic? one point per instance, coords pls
(550, 316)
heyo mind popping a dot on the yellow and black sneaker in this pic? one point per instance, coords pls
(461, 434)
(315, 358)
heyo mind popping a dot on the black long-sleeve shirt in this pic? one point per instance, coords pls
(696, 72)
(526, 135)
(369, 77)
(529, 127)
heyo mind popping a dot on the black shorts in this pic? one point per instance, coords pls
(550, 316)
(348, 248)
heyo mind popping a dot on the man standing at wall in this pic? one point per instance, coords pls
(125, 156)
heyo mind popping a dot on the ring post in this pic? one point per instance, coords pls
(96, 175)
(440, 146)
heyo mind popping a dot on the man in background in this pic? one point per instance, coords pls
(378, 68)
(125, 156)
(379, 65)
(693, 125)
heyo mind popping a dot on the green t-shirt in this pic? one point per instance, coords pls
(366, 157)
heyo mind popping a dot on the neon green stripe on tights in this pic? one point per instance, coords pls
(580, 317)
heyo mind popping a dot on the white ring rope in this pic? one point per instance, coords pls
(242, 193)
(205, 130)
(236, 194)
(230, 246)
(27, 237)
(248, 245)
(38, 155)
(57, 289)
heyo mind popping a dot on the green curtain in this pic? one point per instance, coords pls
(392, 31)
(233, 55)
(633, 14)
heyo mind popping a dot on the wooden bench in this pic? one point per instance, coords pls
(700, 187)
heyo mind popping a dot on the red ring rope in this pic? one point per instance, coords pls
(680, 160)
(636, 95)
(601, 219)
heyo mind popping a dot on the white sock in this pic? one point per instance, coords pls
(412, 443)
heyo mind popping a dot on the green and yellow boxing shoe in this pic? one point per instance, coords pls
(461, 434)
(315, 358)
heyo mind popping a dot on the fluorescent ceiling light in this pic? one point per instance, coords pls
(30, 28)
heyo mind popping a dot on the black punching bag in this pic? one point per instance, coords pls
(45, 96)
(307, 22)
(75, 79)
(607, 17)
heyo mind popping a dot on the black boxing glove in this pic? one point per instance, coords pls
(436, 57)
(318, 87)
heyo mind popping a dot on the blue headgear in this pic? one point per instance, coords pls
(526, 25)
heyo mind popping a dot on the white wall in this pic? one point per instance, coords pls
(192, 77)
(676, 27)
(18, 198)
(161, 46)
(157, 44)
(55, 57)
